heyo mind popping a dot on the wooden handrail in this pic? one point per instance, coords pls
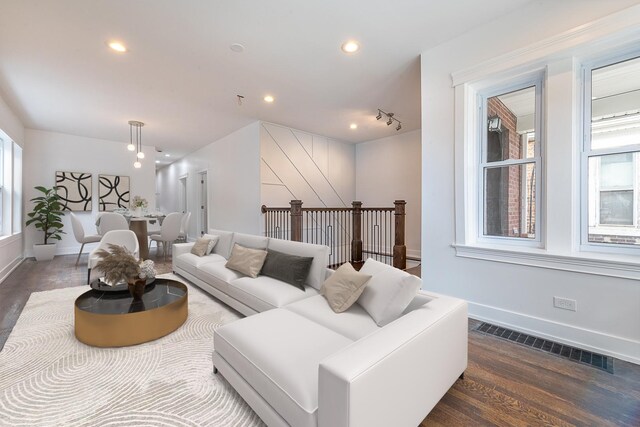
(332, 226)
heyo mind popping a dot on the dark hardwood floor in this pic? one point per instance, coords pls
(505, 384)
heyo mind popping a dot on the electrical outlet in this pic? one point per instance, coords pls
(565, 303)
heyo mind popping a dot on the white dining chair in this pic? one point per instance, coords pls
(126, 238)
(112, 221)
(169, 231)
(78, 233)
(184, 227)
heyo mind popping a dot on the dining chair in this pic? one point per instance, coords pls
(78, 233)
(112, 221)
(126, 238)
(169, 231)
(184, 226)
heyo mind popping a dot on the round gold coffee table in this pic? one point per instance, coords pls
(115, 319)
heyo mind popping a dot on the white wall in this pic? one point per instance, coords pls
(233, 172)
(388, 169)
(48, 152)
(608, 316)
(299, 165)
(10, 246)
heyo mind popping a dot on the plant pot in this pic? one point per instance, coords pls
(137, 212)
(44, 252)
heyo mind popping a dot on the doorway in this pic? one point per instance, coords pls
(203, 221)
(182, 196)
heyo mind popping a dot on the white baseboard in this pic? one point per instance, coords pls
(610, 345)
(5, 272)
(414, 253)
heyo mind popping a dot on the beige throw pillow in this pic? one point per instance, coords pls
(200, 247)
(246, 261)
(344, 287)
(213, 240)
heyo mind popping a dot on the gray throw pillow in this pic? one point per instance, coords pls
(246, 261)
(291, 269)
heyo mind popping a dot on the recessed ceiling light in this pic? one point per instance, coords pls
(118, 47)
(237, 48)
(167, 155)
(353, 126)
(350, 46)
(157, 161)
(269, 99)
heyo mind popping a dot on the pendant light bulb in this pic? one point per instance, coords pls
(137, 165)
(131, 147)
(140, 155)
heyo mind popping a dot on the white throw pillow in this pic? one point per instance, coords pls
(388, 292)
(213, 240)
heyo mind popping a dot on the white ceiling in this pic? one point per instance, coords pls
(181, 78)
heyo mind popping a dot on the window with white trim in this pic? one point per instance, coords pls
(2, 189)
(10, 188)
(611, 156)
(510, 163)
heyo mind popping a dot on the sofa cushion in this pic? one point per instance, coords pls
(223, 247)
(388, 292)
(264, 293)
(354, 323)
(217, 275)
(320, 254)
(190, 262)
(291, 269)
(344, 287)
(250, 241)
(278, 353)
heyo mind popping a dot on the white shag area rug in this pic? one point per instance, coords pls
(49, 378)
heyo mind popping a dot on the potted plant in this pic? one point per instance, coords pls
(119, 265)
(139, 203)
(46, 216)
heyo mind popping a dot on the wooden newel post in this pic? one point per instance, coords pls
(296, 220)
(399, 248)
(356, 242)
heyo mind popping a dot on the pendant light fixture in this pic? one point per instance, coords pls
(135, 143)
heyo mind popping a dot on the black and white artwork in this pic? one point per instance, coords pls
(113, 191)
(74, 189)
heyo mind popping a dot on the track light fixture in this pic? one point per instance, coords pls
(390, 118)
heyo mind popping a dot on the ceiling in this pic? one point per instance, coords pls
(181, 78)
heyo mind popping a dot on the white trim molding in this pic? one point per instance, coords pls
(588, 39)
(627, 268)
(5, 272)
(610, 345)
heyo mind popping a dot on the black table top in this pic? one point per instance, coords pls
(162, 292)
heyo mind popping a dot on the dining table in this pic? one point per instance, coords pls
(142, 226)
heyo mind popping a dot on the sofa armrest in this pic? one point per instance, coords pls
(396, 375)
(179, 249)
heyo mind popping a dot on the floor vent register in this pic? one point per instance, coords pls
(590, 358)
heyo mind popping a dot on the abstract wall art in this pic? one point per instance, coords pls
(113, 191)
(74, 189)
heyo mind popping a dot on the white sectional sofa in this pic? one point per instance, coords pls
(297, 363)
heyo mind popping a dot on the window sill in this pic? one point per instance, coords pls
(9, 238)
(626, 267)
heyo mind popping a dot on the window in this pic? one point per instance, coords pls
(510, 163)
(2, 188)
(10, 187)
(611, 156)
